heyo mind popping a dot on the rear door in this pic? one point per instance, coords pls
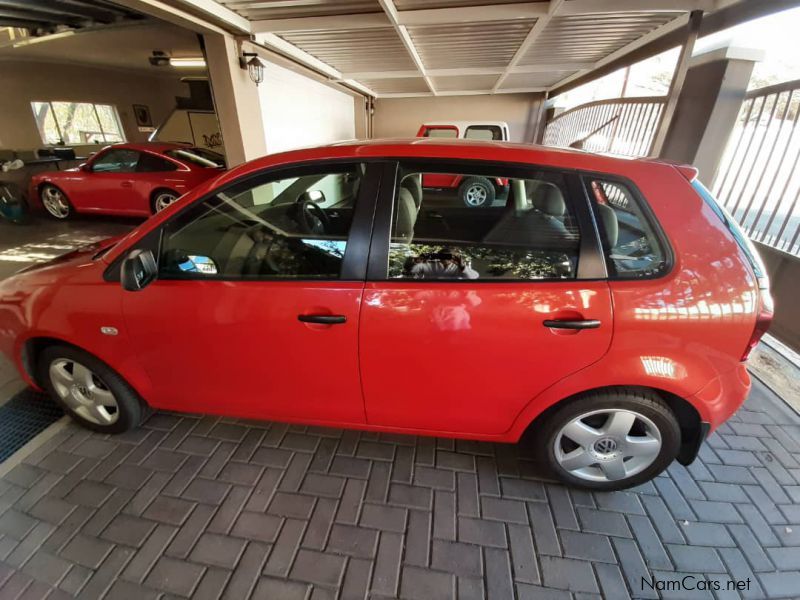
(469, 314)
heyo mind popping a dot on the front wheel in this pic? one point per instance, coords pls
(55, 202)
(89, 390)
(476, 192)
(610, 440)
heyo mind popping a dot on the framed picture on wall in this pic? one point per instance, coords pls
(142, 114)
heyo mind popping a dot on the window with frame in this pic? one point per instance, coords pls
(484, 132)
(632, 247)
(116, 160)
(528, 232)
(285, 228)
(77, 123)
(150, 163)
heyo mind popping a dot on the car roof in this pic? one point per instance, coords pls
(449, 148)
(158, 147)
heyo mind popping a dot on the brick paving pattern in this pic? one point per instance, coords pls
(219, 508)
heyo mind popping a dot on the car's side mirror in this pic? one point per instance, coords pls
(138, 270)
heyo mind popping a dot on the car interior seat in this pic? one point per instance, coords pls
(609, 225)
(538, 224)
(409, 200)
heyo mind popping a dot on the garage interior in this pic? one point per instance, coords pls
(205, 507)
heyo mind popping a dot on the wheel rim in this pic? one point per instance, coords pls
(164, 200)
(607, 445)
(55, 203)
(476, 195)
(84, 392)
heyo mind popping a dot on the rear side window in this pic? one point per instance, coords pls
(633, 249)
(441, 132)
(460, 225)
(149, 163)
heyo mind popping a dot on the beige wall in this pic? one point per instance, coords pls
(24, 82)
(401, 117)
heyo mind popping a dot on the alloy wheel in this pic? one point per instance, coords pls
(84, 392)
(163, 200)
(55, 203)
(607, 445)
(476, 195)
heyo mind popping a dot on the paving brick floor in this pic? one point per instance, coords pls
(209, 508)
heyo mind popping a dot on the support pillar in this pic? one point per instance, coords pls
(708, 108)
(236, 100)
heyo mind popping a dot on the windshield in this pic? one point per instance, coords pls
(198, 156)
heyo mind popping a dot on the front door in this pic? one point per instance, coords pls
(479, 311)
(110, 185)
(255, 311)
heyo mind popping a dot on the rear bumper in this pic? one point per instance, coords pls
(722, 396)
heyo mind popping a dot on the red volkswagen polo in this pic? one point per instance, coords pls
(135, 180)
(608, 306)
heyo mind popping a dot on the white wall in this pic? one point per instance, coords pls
(299, 112)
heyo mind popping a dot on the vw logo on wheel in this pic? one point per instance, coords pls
(605, 446)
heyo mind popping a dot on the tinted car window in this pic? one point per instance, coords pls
(198, 157)
(289, 228)
(484, 132)
(150, 163)
(529, 232)
(120, 160)
(632, 247)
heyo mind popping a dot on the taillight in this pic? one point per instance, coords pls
(763, 320)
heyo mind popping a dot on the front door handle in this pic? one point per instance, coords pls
(571, 324)
(127, 184)
(322, 319)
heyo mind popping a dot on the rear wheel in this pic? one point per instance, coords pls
(55, 202)
(162, 199)
(476, 192)
(89, 390)
(610, 440)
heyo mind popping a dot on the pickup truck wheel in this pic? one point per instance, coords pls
(476, 192)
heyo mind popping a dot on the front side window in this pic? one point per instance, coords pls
(287, 228)
(529, 232)
(632, 247)
(77, 123)
(120, 160)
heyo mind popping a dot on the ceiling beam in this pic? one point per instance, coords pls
(486, 92)
(533, 35)
(472, 14)
(391, 12)
(454, 72)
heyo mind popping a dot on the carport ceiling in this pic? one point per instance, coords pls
(40, 17)
(393, 48)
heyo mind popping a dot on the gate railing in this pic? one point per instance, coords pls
(624, 126)
(758, 180)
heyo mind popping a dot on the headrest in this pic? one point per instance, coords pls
(548, 199)
(609, 225)
(413, 184)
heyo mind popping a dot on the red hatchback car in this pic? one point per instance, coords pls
(135, 180)
(608, 308)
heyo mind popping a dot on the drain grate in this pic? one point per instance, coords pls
(23, 417)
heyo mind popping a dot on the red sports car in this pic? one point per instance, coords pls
(608, 308)
(126, 179)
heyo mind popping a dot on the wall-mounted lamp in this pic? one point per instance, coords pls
(254, 66)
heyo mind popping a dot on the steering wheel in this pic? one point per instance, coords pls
(310, 217)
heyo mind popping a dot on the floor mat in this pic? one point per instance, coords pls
(23, 417)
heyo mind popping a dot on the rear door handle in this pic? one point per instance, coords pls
(322, 319)
(571, 324)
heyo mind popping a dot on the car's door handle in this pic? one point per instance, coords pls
(127, 184)
(571, 323)
(322, 319)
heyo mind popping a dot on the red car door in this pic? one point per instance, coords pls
(479, 312)
(109, 184)
(256, 308)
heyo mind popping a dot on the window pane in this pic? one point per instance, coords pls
(109, 120)
(527, 232)
(78, 123)
(116, 161)
(484, 132)
(292, 228)
(149, 163)
(45, 121)
(441, 132)
(632, 248)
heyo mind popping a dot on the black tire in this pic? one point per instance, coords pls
(70, 210)
(131, 409)
(644, 403)
(154, 198)
(484, 187)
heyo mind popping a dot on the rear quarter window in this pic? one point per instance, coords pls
(631, 244)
